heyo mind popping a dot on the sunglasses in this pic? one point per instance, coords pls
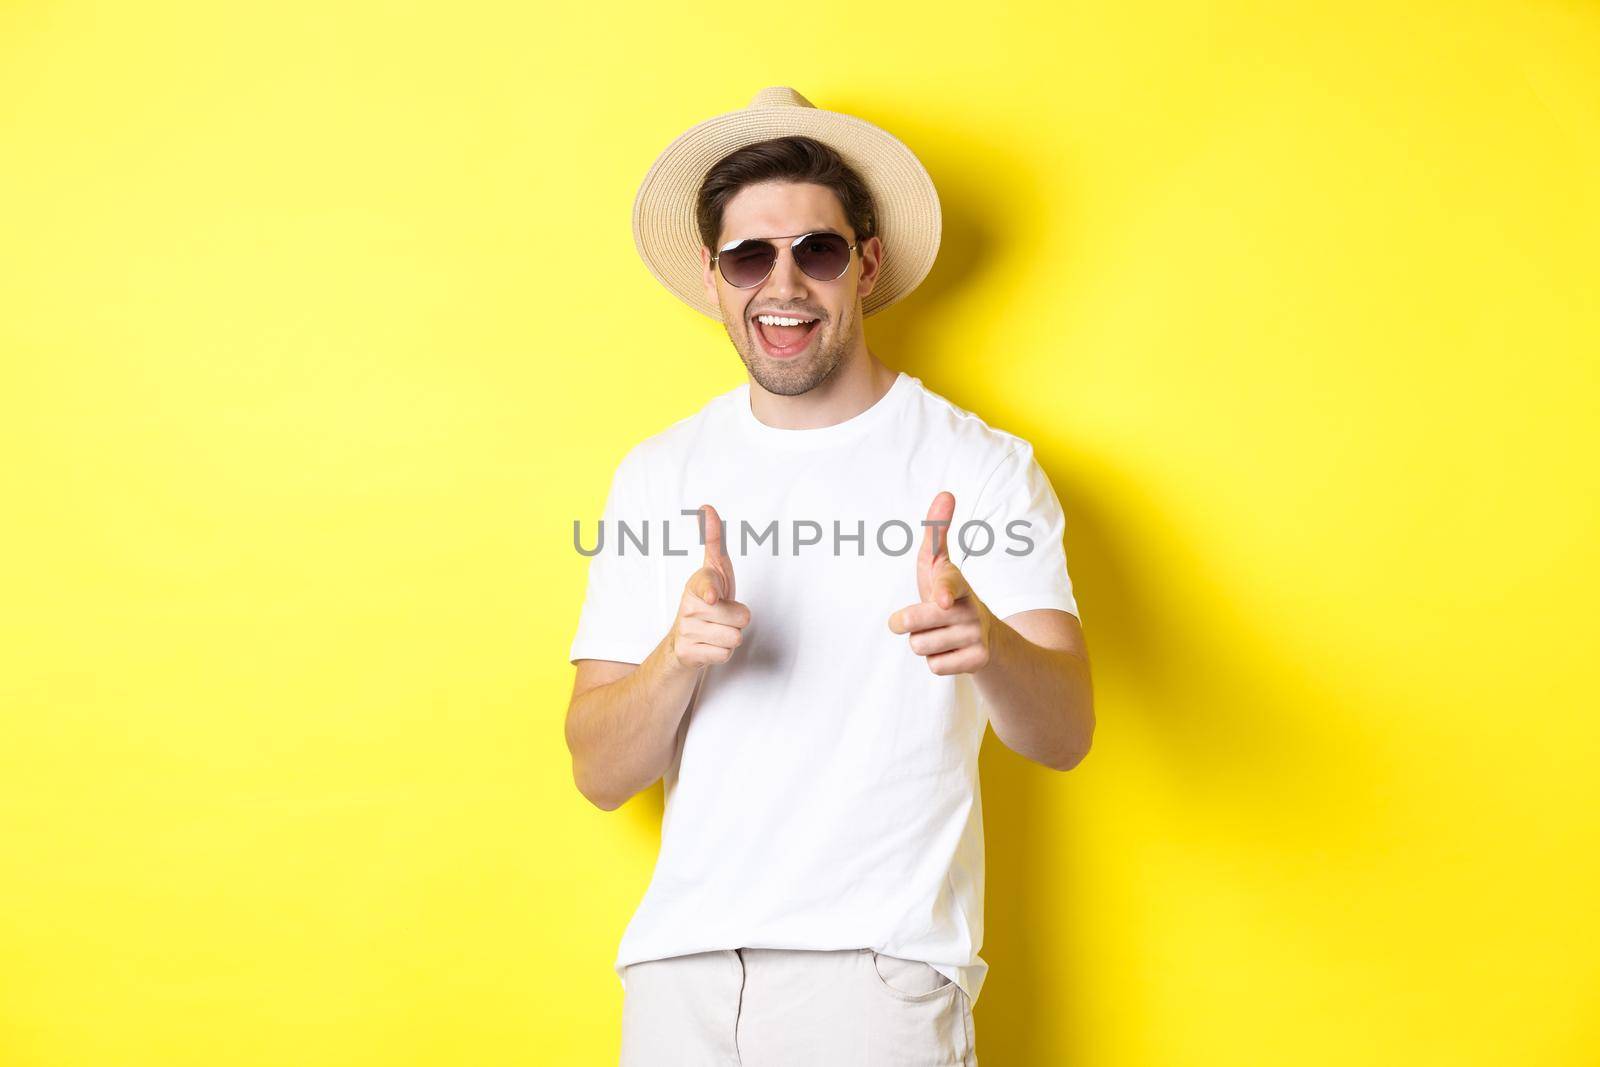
(821, 255)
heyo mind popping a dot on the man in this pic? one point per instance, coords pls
(813, 689)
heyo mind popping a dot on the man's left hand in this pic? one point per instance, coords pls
(951, 627)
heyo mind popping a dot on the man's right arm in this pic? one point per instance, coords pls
(623, 718)
(622, 723)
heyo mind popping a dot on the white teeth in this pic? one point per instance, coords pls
(776, 320)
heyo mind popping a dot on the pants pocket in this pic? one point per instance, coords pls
(914, 1014)
(909, 979)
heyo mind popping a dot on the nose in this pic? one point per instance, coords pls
(787, 281)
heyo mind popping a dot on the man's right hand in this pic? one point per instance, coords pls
(710, 623)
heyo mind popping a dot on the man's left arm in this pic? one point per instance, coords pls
(1036, 683)
(1032, 667)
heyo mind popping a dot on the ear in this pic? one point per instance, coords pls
(707, 273)
(871, 252)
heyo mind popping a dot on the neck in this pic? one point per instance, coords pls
(860, 382)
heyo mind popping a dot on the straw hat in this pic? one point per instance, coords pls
(907, 204)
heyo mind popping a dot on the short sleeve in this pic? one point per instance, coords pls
(1025, 565)
(618, 619)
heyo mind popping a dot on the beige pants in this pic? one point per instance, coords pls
(774, 1007)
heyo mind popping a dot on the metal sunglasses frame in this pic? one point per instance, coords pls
(797, 238)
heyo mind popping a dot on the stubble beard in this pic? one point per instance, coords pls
(791, 377)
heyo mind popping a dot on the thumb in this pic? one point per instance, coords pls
(717, 559)
(949, 584)
(935, 542)
(935, 538)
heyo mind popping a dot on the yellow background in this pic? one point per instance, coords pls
(319, 324)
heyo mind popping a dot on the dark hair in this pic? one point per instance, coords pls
(783, 159)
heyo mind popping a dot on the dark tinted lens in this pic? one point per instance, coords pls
(823, 256)
(747, 262)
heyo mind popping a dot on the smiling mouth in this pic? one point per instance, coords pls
(784, 335)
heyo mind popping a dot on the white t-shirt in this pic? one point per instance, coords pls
(825, 792)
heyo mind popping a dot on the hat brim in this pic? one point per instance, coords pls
(907, 204)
